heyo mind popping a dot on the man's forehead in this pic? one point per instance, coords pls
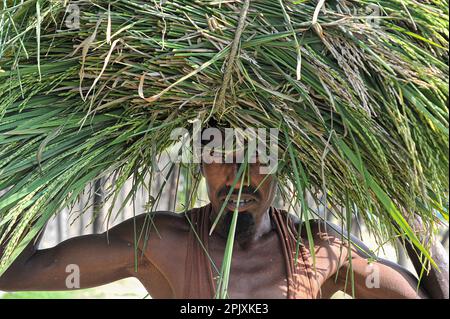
(236, 145)
(234, 140)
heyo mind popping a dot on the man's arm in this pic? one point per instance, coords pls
(101, 259)
(436, 282)
(380, 279)
(372, 277)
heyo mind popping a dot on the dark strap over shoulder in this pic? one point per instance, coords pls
(199, 281)
(296, 257)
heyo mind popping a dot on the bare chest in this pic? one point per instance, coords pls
(262, 272)
(256, 273)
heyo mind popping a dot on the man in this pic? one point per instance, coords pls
(181, 259)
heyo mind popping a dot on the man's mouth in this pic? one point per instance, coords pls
(243, 204)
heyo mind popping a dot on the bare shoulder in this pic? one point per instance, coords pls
(323, 233)
(159, 225)
(329, 235)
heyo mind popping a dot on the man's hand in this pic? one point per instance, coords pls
(436, 281)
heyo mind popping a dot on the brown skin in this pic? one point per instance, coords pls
(255, 273)
(220, 178)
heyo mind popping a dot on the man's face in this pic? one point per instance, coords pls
(258, 192)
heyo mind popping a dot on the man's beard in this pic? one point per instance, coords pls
(245, 227)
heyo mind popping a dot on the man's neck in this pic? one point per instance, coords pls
(262, 226)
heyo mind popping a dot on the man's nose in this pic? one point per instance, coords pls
(232, 173)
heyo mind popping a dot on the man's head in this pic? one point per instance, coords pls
(257, 195)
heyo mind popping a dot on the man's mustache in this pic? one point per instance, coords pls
(246, 190)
